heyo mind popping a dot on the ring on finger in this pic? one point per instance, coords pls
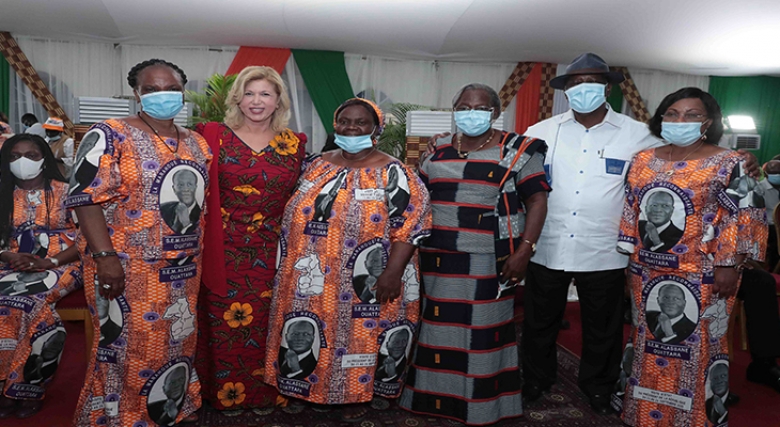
(106, 286)
(32, 263)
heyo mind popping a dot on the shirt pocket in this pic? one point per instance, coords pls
(614, 161)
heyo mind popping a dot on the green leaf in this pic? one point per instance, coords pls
(393, 139)
(209, 105)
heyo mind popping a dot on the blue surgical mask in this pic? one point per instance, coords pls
(162, 105)
(354, 144)
(773, 178)
(473, 122)
(681, 134)
(587, 97)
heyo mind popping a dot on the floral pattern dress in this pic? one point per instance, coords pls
(680, 221)
(330, 341)
(31, 332)
(254, 188)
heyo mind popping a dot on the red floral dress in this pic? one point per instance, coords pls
(254, 188)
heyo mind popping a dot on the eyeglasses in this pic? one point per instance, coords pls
(670, 116)
(481, 108)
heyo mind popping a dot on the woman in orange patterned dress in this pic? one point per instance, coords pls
(346, 303)
(256, 166)
(692, 218)
(139, 188)
(38, 268)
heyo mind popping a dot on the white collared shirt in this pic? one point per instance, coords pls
(586, 204)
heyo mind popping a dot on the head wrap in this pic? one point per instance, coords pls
(370, 104)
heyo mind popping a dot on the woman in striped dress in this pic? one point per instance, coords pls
(488, 193)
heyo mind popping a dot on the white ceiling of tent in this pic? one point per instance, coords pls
(713, 37)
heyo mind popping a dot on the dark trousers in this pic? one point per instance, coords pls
(759, 294)
(601, 304)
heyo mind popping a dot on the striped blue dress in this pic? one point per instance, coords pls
(465, 365)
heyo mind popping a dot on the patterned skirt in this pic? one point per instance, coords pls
(465, 365)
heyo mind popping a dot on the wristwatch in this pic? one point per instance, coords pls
(533, 246)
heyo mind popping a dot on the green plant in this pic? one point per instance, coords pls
(393, 139)
(210, 104)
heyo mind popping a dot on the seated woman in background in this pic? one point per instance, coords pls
(39, 267)
(691, 221)
(346, 302)
(489, 197)
(257, 161)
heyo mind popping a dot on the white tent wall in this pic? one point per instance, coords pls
(75, 68)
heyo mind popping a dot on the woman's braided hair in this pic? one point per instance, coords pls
(132, 76)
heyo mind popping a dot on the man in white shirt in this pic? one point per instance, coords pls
(590, 147)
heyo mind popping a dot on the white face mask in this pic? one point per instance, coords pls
(24, 168)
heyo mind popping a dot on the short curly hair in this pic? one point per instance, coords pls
(714, 132)
(132, 76)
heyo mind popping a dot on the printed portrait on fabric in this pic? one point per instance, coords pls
(181, 199)
(716, 392)
(369, 265)
(110, 317)
(45, 354)
(661, 220)
(27, 283)
(394, 354)
(397, 191)
(323, 203)
(744, 191)
(672, 312)
(167, 394)
(625, 369)
(91, 147)
(300, 348)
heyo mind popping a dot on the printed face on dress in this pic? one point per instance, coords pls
(101, 303)
(260, 101)
(53, 346)
(671, 299)
(33, 276)
(300, 336)
(660, 207)
(392, 180)
(628, 359)
(374, 262)
(396, 344)
(185, 182)
(25, 149)
(158, 78)
(719, 379)
(175, 382)
(355, 120)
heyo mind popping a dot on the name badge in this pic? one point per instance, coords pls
(615, 166)
(369, 194)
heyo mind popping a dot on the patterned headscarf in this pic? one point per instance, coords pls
(380, 116)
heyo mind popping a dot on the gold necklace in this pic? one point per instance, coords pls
(175, 152)
(466, 154)
(671, 171)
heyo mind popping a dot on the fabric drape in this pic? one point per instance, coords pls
(326, 78)
(248, 55)
(527, 110)
(758, 97)
(5, 85)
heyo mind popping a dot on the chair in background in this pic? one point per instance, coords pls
(73, 307)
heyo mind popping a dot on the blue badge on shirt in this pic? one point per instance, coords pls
(615, 166)
(548, 174)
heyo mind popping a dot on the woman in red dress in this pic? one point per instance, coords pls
(257, 164)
